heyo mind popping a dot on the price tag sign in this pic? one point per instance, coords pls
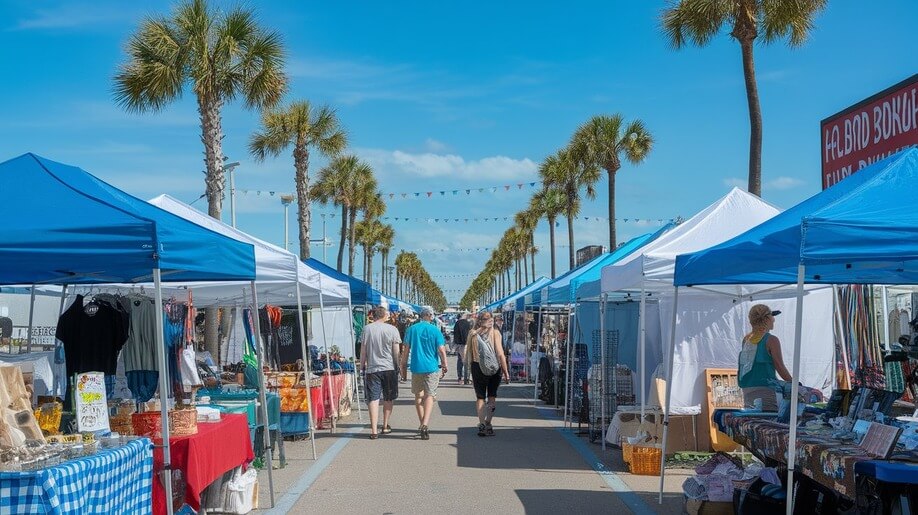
(90, 402)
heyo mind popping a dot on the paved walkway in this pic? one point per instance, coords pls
(531, 465)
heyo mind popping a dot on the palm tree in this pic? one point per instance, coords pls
(368, 200)
(527, 221)
(385, 243)
(570, 175)
(601, 142)
(549, 202)
(340, 183)
(699, 21)
(368, 232)
(301, 126)
(220, 56)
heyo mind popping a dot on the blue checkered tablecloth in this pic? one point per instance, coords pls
(116, 480)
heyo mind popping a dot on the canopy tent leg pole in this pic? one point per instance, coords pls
(642, 345)
(885, 317)
(569, 373)
(328, 374)
(538, 342)
(670, 364)
(163, 388)
(60, 311)
(795, 389)
(350, 324)
(31, 318)
(602, 369)
(306, 365)
(262, 398)
(512, 338)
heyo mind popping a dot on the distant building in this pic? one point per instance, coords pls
(589, 252)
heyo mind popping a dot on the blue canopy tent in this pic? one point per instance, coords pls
(65, 226)
(499, 304)
(570, 287)
(361, 291)
(856, 232)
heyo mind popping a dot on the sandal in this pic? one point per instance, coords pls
(386, 430)
(489, 429)
(425, 433)
(481, 430)
(373, 436)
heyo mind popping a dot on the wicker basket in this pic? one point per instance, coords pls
(627, 449)
(181, 423)
(645, 461)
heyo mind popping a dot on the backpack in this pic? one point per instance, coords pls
(487, 360)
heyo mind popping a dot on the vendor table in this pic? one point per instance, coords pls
(110, 481)
(203, 457)
(826, 460)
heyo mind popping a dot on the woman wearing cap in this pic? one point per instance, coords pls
(486, 386)
(760, 358)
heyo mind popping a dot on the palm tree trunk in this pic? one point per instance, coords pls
(612, 236)
(343, 237)
(370, 269)
(551, 239)
(509, 281)
(304, 216)
(215, 182)
(570, 239)
(532, 253)
(525, 268)
(351, 240)
(385, 259)
(755, 119)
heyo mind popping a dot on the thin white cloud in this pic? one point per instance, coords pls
(731, 182)
(432, 165)
(432, 145)
(74, 16)
(783, 183)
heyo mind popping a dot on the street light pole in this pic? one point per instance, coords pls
(324, 242)
(231, 167)
(286, 200)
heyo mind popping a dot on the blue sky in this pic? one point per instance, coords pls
(439, 96)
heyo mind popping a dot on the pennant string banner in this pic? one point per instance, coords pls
(658, 221)
(419, 194)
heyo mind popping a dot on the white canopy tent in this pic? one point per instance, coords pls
(280, 278)
(712, 320)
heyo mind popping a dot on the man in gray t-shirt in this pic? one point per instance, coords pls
(379, 355)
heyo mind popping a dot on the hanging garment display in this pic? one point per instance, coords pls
(289, 348)
(93, 333)
(139, 354)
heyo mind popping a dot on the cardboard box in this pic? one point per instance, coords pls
(696, 507)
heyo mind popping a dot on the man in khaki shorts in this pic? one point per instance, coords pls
(427, 352)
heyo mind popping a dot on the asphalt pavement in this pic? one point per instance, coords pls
(531, 465)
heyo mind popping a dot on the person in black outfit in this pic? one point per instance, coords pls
(461, 331)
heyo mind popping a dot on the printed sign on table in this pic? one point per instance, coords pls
(90, 402)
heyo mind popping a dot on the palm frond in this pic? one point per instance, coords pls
(793, 20)
(695, 21)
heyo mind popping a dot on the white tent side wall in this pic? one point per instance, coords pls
(711, 327)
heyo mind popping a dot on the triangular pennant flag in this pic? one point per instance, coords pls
(429, 193)
(481, 190)
(391, 195)
(417, 194)
(259, 193)
(436, 219)
(272, 193)
(626, 220)
(507, 187)
(519, 186)
(404, 195)
(468, 192)
(532, 184)
(455, 192)
(442, 193)
(494, 189)
(466, 220)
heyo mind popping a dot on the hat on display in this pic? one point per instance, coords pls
(775, 313)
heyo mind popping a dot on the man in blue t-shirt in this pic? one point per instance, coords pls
(427, 353)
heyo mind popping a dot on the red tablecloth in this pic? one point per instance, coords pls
(217, 448)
